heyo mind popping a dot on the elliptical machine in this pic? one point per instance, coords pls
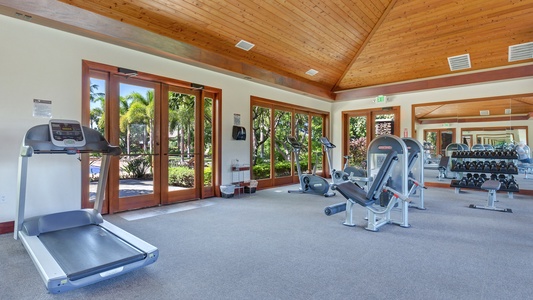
(309, 183)
(349, 173)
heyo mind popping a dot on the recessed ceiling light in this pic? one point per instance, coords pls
(484, 112)
(244, 45)
(311, 72)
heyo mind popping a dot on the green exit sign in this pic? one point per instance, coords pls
(381, 99)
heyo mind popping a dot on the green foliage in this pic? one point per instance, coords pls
(137, 167)
(207, 176)
(283, 168)
(358, 152)
(181, 176)
(261, 171)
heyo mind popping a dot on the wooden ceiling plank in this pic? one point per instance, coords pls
(266, 61)
(296, 54)
(361, 49)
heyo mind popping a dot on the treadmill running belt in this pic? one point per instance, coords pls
(88, 250)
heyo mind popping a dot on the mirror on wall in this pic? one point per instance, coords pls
(493, 123)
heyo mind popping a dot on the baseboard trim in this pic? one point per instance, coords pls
(7, 227)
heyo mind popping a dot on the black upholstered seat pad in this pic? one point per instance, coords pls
(355, 193)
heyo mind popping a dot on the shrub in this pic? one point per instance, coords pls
(261, 171)
(181, 176)
(207, 176)
(137, 167)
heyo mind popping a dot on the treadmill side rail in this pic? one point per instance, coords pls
(50, 271)
(131, 239)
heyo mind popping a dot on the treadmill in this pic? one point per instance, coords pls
(72, 249)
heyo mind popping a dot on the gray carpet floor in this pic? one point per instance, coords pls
(275, 245)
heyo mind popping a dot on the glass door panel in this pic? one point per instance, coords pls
(430, 144)
(261, 142)
(383, 124)
(208, 142)
(179, 150)
(97, 106)
(301, 132)
(317, 131)
(446, 138)
(282, 149)
(358, 140)
(137, 140)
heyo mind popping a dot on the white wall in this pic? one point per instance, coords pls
(37, 62)
(406, 100)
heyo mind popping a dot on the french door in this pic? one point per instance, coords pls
(360, 127)
(166, 134)
(439, 140)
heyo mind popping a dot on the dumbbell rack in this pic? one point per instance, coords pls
(477, 164)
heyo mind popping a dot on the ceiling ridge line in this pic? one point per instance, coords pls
(368, 38)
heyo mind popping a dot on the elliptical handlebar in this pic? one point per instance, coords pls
(324, 140)
(294, 142)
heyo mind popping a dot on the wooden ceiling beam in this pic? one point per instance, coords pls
(72, 19)
(435, 83)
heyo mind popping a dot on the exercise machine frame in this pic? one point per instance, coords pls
(415, 165)
(72, 249)
(338, 176)
(387, 158)
(309, 183)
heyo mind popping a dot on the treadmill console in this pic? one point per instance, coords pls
(66, 133)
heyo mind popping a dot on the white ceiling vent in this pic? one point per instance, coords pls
(507, 111)
(520, 52)
(244, 45)
(484, 112)
(311, 72)
(459, 62)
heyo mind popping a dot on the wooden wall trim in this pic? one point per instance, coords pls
(435, 83)
(7, 227)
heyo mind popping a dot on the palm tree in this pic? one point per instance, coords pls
(181, 118)
(138, 109)
(97, 114)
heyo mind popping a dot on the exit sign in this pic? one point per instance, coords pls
(381, 99)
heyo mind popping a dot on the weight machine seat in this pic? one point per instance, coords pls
(355, 193)
(443, 164)
(491, 185)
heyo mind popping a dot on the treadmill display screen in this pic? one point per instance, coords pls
(67, 133)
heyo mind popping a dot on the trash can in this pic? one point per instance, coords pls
(227, 191)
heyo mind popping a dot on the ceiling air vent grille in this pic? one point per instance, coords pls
(520, 52)
(244, 45)
(459, 62)
(484, 112)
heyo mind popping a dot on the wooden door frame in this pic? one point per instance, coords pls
(90, 68)
(370, 134)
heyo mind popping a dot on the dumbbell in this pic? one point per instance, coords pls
(471, 182)
(512, 185)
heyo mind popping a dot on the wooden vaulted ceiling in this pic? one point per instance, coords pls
(357, 46)
(501, 108)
